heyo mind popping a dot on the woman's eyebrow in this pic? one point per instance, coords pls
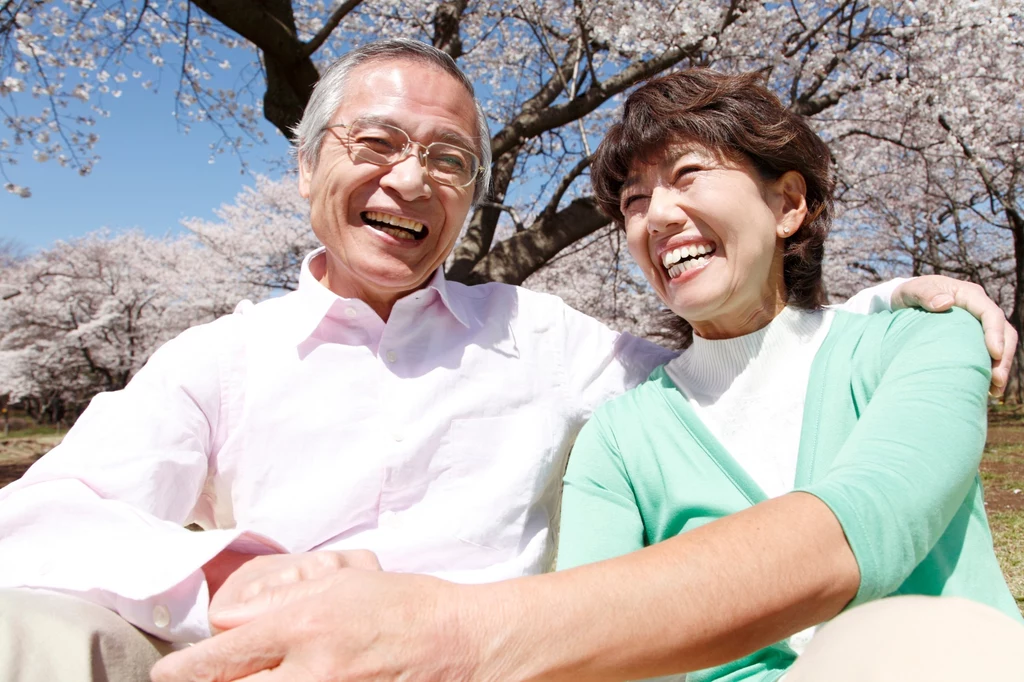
(629, 183)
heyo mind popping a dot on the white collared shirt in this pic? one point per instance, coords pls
(437, 440)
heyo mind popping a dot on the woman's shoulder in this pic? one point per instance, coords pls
(908, 321)
(910, 330)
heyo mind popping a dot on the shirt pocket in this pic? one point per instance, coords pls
(502, 478)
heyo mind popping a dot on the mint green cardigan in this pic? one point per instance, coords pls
(892, 434)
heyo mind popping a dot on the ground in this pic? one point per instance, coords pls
(18, 452)
(1002, 472)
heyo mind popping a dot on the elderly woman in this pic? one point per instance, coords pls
(726, 200)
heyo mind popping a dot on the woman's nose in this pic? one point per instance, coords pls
(663, 211)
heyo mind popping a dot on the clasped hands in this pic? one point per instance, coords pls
(299, 617)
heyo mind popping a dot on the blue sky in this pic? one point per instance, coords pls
(150, 176)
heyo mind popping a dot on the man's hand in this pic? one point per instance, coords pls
(266, 580)
(937, 293)
(352, 625)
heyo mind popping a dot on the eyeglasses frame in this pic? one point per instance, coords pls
(421, 156)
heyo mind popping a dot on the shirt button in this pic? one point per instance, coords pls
(161, 616)
(350, 312)
(391, 356)
(399, 436)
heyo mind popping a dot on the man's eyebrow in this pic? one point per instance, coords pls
(457, 140)
(445, 136)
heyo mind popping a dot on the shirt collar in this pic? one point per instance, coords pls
(318, 299)
(455, 304)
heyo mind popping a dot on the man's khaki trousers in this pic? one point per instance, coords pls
(46, 637)
(52, 638)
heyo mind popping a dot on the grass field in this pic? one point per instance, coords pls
(1002, 472)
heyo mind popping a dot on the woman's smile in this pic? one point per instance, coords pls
(688, 258)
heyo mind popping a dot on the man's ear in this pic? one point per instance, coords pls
(305, 176)
(791, 189)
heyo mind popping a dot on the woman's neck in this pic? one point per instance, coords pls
(744, 322)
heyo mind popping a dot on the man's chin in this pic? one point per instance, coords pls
(395, 277)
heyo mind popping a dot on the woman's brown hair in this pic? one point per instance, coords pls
(738, 117)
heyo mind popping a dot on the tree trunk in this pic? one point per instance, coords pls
(519, 256)
(1015, 389)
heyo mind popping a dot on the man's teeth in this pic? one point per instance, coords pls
(398, 234)
(680, 268)
(670, 258)
(405, 223)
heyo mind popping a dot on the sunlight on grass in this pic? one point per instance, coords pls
(1008, 535)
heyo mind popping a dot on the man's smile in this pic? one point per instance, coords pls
(396, 226)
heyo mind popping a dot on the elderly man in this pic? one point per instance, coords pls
(379, 407)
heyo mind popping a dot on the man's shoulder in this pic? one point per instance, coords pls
(234, 327)
(493, 301)
(636, 405)
(502, 293)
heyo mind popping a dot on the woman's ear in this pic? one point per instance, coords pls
(791, 190)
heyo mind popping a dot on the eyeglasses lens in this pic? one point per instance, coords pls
(382, 145)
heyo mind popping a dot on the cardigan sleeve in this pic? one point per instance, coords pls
(914, 452)
(600, 516)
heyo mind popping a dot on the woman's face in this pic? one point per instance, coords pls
(708, 233)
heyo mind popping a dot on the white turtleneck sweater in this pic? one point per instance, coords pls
(749, 391)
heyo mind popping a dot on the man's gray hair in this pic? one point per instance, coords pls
(330, 91)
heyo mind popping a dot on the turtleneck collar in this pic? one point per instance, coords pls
(710, 366)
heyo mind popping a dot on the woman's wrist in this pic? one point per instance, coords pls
(498, 632)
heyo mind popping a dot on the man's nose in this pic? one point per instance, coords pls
(408, 177)
(664, 210)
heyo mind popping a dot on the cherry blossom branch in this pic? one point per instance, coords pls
(339, 13)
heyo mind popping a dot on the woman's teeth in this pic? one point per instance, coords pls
(678, 261)
(680, 268)
(670, 258)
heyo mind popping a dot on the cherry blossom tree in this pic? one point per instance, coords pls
(921, 103)
(550, 74)
(84, 316)
(932, 161)
(257, 244)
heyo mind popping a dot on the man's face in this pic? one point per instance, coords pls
(360, 212)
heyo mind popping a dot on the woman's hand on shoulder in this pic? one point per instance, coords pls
(937, 293)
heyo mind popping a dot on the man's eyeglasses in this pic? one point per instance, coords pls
(384, 145)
